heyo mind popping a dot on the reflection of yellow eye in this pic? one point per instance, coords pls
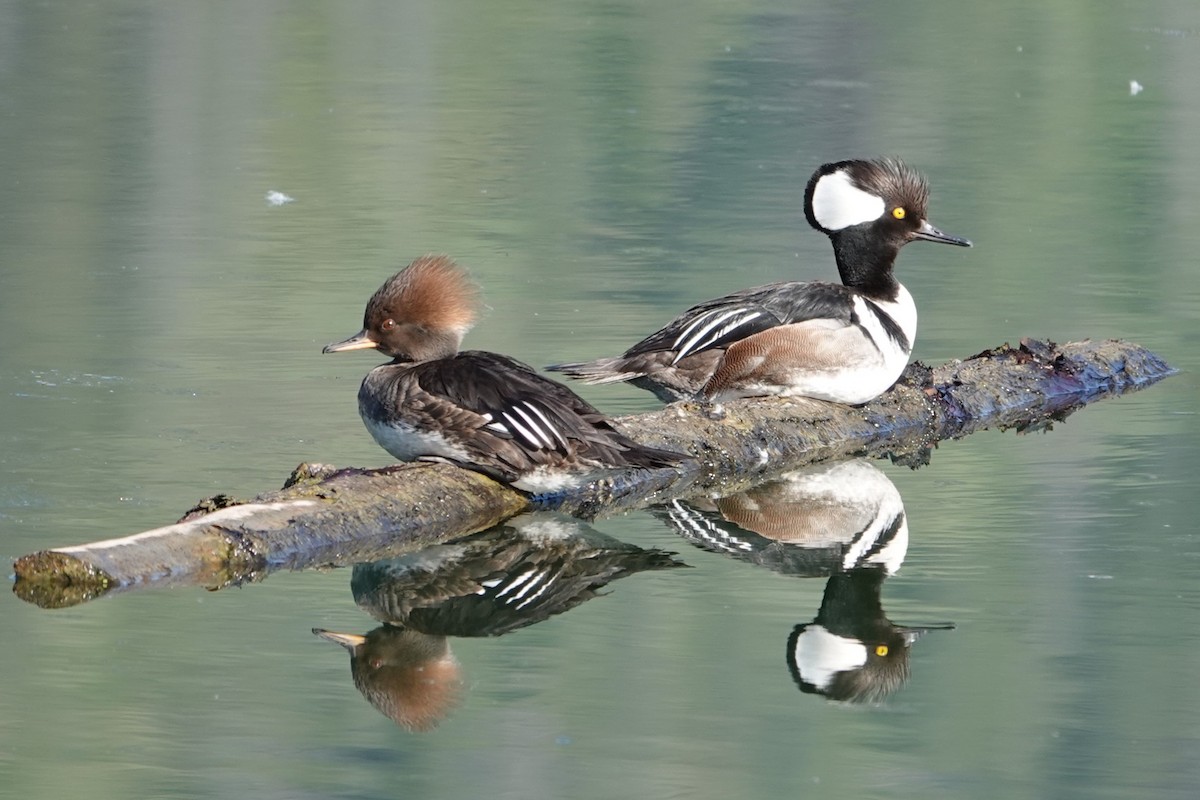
(898, 212)
(882, 650)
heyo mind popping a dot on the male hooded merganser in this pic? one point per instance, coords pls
(851, 650)
(845, 342)
(844, 521)
(812, 522)
(479, 410)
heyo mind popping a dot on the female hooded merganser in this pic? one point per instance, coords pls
(479, 410)
(845, 342)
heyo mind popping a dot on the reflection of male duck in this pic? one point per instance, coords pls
(808, 523)
(845, 521)
(489, 584)
(852, 651)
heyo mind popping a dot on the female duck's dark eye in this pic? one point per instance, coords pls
(387, 325)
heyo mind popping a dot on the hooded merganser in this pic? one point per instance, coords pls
(844, 521)
(813, 522)
(491, 583)
(520, 573)
(851, 651)
(413, 678)
(845, 342)
(479, 410)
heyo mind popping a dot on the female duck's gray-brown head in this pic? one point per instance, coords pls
(419, 314)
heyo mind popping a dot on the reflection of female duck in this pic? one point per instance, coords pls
(411, 677)
(488, 584)
(525, 571)
(845, 521)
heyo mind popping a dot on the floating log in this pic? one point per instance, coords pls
(325, 516)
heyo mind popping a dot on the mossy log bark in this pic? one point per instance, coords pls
(324, 516)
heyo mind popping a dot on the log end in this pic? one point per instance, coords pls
(50, 579)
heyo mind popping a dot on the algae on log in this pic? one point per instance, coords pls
(324, 516)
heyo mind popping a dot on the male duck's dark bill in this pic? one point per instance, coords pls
(932, 234)
(359, 341)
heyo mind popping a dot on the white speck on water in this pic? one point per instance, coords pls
(1101, 577)
(1020, 49)
(277, 198)
(1135, 88)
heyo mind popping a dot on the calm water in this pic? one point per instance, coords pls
(598, 167)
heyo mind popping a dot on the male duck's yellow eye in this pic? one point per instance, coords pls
(882, 650)
(898, 212)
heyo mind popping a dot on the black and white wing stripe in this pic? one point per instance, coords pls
(720, 326)
(528, 422)
(520, 590)
(706, 532)
(512, 401)
(718, 323)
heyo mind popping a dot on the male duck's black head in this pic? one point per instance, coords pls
(870, 209)
(420, 313)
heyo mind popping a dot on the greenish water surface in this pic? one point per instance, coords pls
(599, 167)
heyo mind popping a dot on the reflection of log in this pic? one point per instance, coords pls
(325, 516)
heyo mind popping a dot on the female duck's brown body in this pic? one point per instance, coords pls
(480, 410)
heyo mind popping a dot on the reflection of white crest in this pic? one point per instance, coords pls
(820, 655)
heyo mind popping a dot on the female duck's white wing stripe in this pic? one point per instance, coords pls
(497, 427)
(534, 426)
(549, 426)
(515, 582)
(525, 427)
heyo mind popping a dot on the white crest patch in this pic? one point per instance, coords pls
(837, 203)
